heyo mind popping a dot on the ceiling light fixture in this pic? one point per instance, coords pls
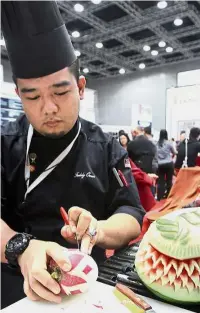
(77, 53)
(86, 70)
(142, 66)
(96, 1)
(162, 4)
(75, 34)
(154, 52)
(146, 48)
(122, 71)
(162, 44)
(178, 22)
(99, 45)
(169, 49)
(79, 8)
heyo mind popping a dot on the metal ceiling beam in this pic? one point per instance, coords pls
(106, 58)
(102, 26)
(84, 16)
(175, 61)
(130, 8)
(135, 21)
(93, 68)
(102, 5)
(194, 15)
(119, 27)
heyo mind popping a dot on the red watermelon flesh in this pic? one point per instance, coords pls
(65, 278)
(75, 259)
(76, 280)
(169, 271)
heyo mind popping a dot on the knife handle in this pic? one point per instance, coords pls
(64, 215)
(132, 296)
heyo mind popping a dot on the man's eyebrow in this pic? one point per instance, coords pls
(26, 90)
(64, 83)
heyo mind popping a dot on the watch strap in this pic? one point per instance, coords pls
(16, 246)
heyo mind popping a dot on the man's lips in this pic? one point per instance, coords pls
(52, 123)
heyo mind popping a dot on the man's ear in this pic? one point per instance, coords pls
(17, 91)
(81, 86)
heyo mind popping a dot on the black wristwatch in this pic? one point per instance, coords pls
(16, 246)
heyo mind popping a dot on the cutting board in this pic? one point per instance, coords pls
(100, 299)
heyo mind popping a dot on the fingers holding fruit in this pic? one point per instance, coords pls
(38, 283)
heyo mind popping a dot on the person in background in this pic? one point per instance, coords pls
(182, 137)
(173, 143)
(148, 133)
(124, 140)
(142, 152)
(166, 153)
(133, 134)
(121, 132)
(145, 182)
(193, 149)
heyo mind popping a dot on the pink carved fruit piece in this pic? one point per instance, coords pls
(83, 273)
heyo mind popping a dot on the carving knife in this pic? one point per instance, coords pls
(135, 298)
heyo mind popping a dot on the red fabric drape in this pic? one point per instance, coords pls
(144, 183)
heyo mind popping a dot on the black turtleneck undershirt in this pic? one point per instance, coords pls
(47, 149)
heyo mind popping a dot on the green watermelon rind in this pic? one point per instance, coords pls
(160, 295)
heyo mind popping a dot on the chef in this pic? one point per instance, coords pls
(52, 158)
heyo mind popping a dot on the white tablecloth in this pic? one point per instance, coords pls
(100, 294)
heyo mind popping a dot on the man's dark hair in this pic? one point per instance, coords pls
(147, 130)
(74, 70)
(121, 132)
(194, 133)
(182, 132)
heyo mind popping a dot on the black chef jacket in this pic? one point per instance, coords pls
(192, 153)
(84, 178)
(142, 152)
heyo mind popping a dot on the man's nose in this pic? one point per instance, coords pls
(50, 107)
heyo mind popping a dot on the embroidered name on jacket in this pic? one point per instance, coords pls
(82, 175)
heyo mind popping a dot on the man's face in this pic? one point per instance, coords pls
(182, 136)
(51, 103)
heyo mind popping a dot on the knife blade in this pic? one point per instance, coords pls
(135, 298)
(66, 220)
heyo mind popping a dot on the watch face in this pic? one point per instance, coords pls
(17, 242)
(16, 246)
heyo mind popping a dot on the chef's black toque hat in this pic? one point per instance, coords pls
(37, 40)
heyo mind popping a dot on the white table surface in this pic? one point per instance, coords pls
(100, 294)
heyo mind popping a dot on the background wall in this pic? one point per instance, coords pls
(116, 96)
(7, 74)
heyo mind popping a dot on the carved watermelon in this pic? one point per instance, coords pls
(83, 273)
(168, 259)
